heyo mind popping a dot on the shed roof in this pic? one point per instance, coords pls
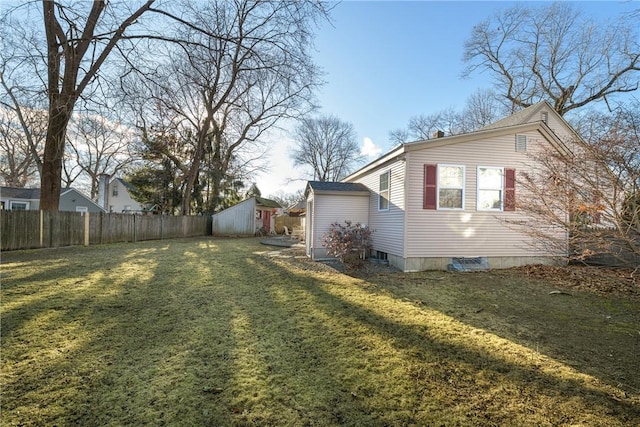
(336, 186)
(267, 202)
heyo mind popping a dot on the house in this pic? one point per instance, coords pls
(71, 200)
(247, 218)
(436, 203)
(115, 197)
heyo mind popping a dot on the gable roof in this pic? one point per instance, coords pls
(522, 121)
(526, 115)
(336, 187)
(20, 193)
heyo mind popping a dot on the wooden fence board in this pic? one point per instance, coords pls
(35, 229)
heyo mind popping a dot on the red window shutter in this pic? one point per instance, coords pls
(430, 184)
(509, 189)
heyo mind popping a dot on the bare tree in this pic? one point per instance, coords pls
(78, 42)
(22, 133)
(227, 91)
(23, 120)
(598, 183)
(328, 145)
(97, 145)
(481, 109)
(555, 53)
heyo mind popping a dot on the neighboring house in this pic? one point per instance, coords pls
(434, 203)
(71, 200)
(247, 217)
(114, 196)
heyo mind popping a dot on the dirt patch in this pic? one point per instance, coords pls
(599, 280)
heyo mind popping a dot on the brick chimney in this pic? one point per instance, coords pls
(438, 134)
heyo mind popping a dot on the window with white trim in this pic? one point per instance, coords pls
(19, 206)
(490, 188)
(114, 191)
(450, 187)
(383, 193)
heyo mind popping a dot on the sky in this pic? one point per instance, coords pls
(385, 62)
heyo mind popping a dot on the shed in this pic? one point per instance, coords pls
(252, 216)
(329, 202)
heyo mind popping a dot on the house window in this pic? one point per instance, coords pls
(490, 188)
(114, 191)
(450, 187)
(521, 142)
(496, 189)
(383, 194)
(19, 206)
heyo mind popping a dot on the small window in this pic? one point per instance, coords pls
(490, 188)
(382, 255)
(450, 187)
(383, 194)
(521, 142)
(19, 206)
(82, 209)
(114, 191)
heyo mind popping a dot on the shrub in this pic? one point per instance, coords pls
(349, 243)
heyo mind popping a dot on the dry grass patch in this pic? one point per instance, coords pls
(214, 332)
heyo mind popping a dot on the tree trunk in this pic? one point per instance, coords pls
(52, 161)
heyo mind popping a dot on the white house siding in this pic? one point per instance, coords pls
(387, 226)
(330, 208)
(466, 233)
(120, 201)
(236, 220)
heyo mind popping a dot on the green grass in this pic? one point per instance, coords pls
(213, 332)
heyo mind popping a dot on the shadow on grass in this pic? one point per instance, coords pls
(208, 333)
(596, 335)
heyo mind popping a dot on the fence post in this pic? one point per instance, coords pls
(86, 228)
(41, 228)
(135, 229)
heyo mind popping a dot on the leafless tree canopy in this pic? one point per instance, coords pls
(328, 145)
(247, 67)
(243, 65)
(597, 183)
(481, 108)
(555, 53)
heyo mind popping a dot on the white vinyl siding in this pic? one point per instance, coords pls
(467, 232)
(330, 208)
(387, 226)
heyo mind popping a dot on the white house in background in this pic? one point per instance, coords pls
(437, 203)
(247, 217)
(114, 196)
(28, 199)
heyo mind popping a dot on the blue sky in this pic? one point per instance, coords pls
(385, 62)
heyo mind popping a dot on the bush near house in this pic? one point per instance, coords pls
(349, 243)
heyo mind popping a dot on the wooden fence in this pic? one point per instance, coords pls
(41, 229)
(288, 221)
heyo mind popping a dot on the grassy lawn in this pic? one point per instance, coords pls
(210, 332)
